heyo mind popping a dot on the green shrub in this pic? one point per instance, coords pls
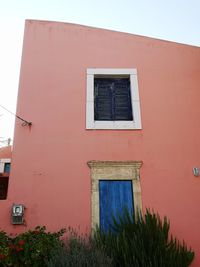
(31, 249)
(34, 248)
(79, 251)
(143, 243)
(4, 249)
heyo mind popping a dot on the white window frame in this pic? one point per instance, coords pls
(2, 164)
(135, 100)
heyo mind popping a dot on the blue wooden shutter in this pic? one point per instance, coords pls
(114, 197)
(103, 100)
(112, 99)
(7, 167)
(122, 100)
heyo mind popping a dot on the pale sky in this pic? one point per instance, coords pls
(173, 20)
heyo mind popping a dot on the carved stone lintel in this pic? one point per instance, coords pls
(100, 164)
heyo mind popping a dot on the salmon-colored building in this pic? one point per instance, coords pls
(111, 112)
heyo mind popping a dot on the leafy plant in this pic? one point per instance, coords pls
(79, 251)
(4, 249)
(143, 242)
(36, 246)
(31, 249)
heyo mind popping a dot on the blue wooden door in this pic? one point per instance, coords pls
(114, 197)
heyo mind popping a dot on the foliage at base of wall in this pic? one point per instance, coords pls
(143, 242)
(31, 248)
(140, 243)
(80, 251)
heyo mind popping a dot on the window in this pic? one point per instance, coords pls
(112, 99)
(7, 167)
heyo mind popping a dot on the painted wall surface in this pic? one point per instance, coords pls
(49, 172)
(5, 152)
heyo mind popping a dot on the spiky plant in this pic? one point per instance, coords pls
(144, 242)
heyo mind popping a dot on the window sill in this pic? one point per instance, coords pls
(113, 125)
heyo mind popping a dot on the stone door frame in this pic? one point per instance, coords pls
(114, 170)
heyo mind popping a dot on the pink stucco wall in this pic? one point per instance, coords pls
(6, 152)
(49, 171)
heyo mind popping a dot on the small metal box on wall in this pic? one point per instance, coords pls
(17, 216)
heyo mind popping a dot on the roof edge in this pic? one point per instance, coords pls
(109, 30)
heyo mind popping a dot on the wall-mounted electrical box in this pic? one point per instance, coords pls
(17, 216)
(196, 171)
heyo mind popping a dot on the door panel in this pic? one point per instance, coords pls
(114, 197)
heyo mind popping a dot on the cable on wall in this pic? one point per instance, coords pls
(25, 122)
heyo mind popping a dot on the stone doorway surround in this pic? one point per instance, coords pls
(114, 170)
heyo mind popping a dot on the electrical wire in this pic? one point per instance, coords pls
(25, 122)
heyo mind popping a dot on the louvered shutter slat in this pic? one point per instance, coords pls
(123, 108)
(103, 100)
